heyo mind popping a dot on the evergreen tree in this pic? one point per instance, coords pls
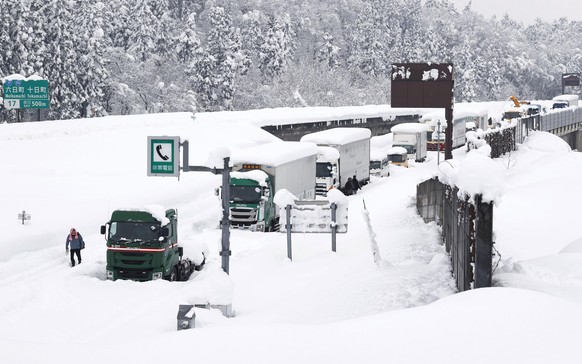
(118, 25)
(5, 41)
(188, 42)
(93, 77)
(224, 47)
(328, 52)
(61, 61)
(367, 51)
(277, 49)
(142, 29)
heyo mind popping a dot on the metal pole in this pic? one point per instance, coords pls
(288, 228)
(449, 133)
(225, 222)
(185, 155)
(333, 226)
(438, 141)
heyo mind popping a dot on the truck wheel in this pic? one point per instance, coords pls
(173, 275)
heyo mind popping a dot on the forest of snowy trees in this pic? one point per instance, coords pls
(144, 56)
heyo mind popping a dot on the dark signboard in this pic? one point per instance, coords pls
(422, 85)
(570, 79)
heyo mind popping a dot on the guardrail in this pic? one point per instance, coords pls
(505, 139)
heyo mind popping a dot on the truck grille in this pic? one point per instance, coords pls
(137, 275)
(243, 216)
(321, 189)
(134, 259)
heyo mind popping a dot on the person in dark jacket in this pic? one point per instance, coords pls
(355, 184)
(75, 240)
(349, 187)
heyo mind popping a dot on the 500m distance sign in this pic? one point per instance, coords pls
(26, 94)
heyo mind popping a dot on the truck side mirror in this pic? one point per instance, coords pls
(102, 229)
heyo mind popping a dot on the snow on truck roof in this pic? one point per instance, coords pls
(396, 150)
(566, 97)
(409, 128)
(337, 136)
(328, 154)
(256, 174)
(274, 153)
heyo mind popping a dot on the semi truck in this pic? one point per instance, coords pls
(571, 100)
(412, 137)
(142, 245)
(351, 159)
(259, 172)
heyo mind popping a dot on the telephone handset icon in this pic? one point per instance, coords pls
(159, 151)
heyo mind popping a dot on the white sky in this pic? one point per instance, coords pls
(321, 307)
(526, 11)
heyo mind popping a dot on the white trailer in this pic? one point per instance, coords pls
(259, 172)
(572, 100)
(352, 158)
(412, 137)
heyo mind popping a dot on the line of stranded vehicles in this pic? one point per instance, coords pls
(142, 245)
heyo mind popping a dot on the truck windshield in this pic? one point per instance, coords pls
(511, 115)
(410, 149)
(396, 158)
(123, 231)
(323, 169)
(375, 164)
(245, 194)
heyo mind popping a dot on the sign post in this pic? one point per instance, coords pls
(164, 160)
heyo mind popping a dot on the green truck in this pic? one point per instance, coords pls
(259, 172)
(142, 245)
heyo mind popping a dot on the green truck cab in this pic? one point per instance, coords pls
(251, 201)
(142, 245)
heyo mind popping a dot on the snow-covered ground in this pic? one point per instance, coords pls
(322, 307)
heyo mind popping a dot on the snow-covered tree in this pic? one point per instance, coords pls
(93, 75)
(188, 42)
(328, 52)
(61, 62)
(277, 49)
(143, 31)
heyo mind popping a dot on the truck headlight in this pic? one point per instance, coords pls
(157, 275)
(109, 274)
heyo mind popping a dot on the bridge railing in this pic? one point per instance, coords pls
(504, 140)
(561, 119)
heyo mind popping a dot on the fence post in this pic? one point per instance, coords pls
(484, 243)
(288, 228)
(333, 226)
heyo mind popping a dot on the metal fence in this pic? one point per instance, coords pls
(467, 230)
(505, 140)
